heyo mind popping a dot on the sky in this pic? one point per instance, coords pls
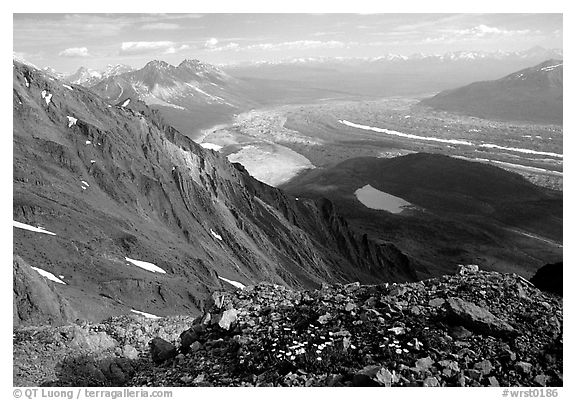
(68, 41)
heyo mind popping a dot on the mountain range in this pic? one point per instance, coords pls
(391, 74)
(89, 77)
(534, 94)
(530, 54)
(191, 96)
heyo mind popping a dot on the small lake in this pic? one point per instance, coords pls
(378, 200)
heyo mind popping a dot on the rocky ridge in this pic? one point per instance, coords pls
(475, 328)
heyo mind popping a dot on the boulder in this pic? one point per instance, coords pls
(129, 352)
(366, 376)
(478, 319)
(91, 341)
(190, 336)
(161, 350)
(549, 278)
(467, 269)
(524, 367)
(431, 382)
(485, 366)
(385, 377)
(423, 364)
(228, 318)
(493, 381)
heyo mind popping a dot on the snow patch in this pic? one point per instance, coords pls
(146, 315)
(406, 135)
(68, 87)
(46, 96)
(26, 82)
(217, 236)
(511, 165)
(85, 183)
(48, 275)
(451, 141)
(71, 121)
(521, 150)
(233, 283)
(146, 265)
(126, 102)
(551, 67)
(31, 228)
(211, 146)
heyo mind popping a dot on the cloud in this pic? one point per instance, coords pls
(479, 32)
(485, 30)
(160, 26)
(176, 49)
(297, 45)
(211, 43)
(164, 47)
(229, 46)
(75, 52)
(326, 33)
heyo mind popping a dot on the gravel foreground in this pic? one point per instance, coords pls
(471, 329)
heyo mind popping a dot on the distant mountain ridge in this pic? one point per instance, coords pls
(88, 77)
(453, 56)
(533, 94)
(190, 95)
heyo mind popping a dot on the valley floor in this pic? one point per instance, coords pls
(281, 144)
(326, 133)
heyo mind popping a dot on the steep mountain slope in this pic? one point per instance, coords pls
(36, 300)
(140, 218)
(462, 212)
(190, 95)
(532, 94)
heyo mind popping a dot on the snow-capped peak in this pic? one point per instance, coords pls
(198, 66)
(113, 70)
(83, 75)
(158, 64)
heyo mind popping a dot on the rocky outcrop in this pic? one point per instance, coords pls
(35, 300)
(161, 350)
(550, 278)
(83, 354)
(477, 319)
(473, 329)
(476, 329)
